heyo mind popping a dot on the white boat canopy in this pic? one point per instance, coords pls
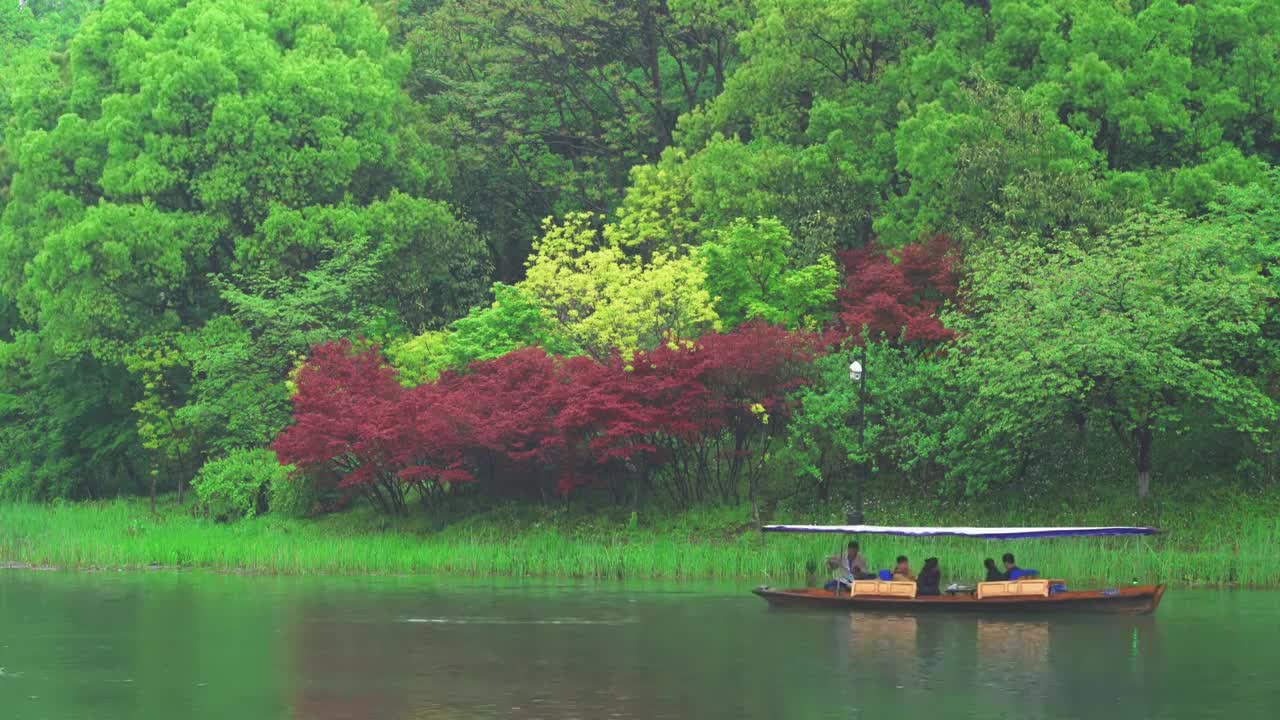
(973, 532)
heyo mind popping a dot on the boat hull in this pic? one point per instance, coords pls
(1136, 600)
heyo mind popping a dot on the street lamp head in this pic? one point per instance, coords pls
(855, 371)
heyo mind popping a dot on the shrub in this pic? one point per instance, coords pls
(292, 495)
(235, 486)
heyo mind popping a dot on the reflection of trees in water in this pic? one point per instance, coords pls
(483, 659)
(207, 646)
(494, 656)
(344, 669)
(154, 645)
(1111, 664)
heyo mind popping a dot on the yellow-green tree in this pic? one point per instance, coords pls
(606, 300)
(165, 373)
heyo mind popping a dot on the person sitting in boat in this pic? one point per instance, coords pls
(930, 578)
(902, 571)
(851, 564)
(1010, 567)
(993, 573)
(1012, 571)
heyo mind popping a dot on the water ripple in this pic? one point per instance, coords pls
(513, 621)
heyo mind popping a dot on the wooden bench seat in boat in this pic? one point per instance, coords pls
(884, 588)
(1023, 587)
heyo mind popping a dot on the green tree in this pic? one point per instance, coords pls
(186, 142)
(511, 322)
(987, 160)
(909, 406)
(820, 90)
(950, 116)
(165, 374)
(1159, 319)
(547, 104)
(410, 261)
(1253, 212)
(30, 34)
(273, 318)
(686, 200)
(750, 275)
(67, 427)
(199, 159)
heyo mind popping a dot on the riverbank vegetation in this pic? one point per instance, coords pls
(314, 260)
(1229, 543)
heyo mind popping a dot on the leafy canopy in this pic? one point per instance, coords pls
(751, 276)
(513, 321)
(193, 173)
(1158, 318)
(606, 300)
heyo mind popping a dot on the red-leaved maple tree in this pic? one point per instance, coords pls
(699, 414)
(348, 420)
(696, 416)
(896, 295)
(505, 411)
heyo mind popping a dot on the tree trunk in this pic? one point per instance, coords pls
(1142, 442)
(183, 469)
(649, 40)
(1081, 421)
(717, 64)
(182, 478)
(374, 494)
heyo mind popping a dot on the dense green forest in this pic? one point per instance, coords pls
(435, 251)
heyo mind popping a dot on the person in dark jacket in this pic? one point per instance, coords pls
(930, 578)
(1011, 569)
(993, 574)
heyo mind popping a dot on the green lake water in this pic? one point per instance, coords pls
(195, 646)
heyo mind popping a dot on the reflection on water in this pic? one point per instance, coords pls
(1012, 647)
(883, 647)
(872, 634)
(215, 647)
(1036, 667)
(509, 621)
(1012, 658)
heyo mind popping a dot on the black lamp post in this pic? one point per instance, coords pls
(858, 375)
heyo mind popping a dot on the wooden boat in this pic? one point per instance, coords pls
(1023, 594)
(1135, 600)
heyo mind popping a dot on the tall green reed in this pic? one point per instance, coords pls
(124, 534)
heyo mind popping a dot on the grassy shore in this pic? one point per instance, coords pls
(1231, 540)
